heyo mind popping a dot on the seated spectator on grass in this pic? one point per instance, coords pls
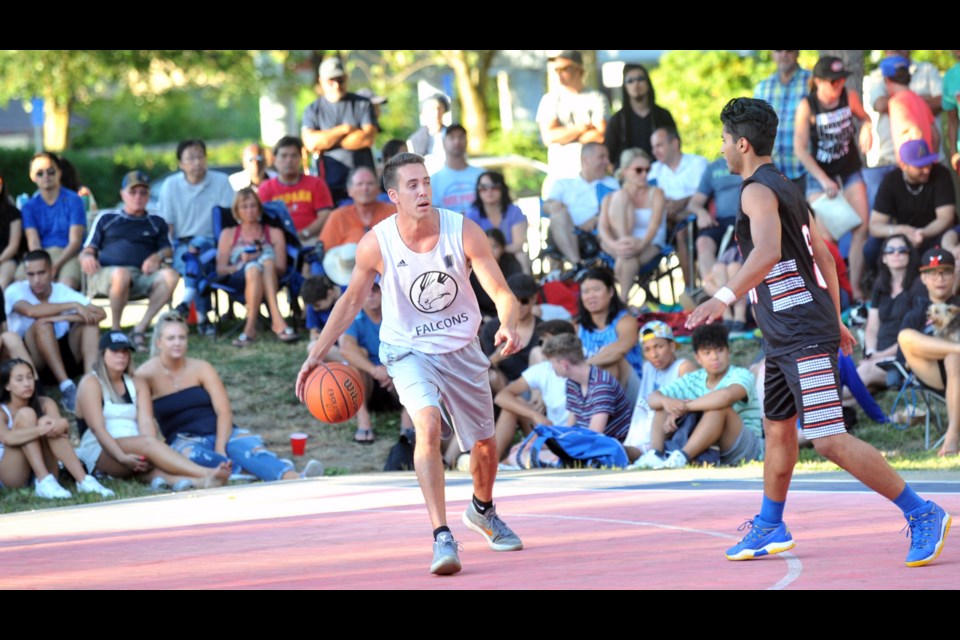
(360, 347)
(595, 399)
(493, 209)
(723, 395)
(253, 256)
(661, 366)
(11, 236)
(348, 223)
(35, 438)
(320, 293)
(538, 396)
(632, 226)
(508, 265)
(59, 325)
(608, 331)
(896, 286)
(504, 370)
(124, 257)
(193, 411)
(54, 219)
(119, 438)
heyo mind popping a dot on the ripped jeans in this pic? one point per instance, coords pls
(246, 450)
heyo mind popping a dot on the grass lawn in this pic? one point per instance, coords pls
(260, 379)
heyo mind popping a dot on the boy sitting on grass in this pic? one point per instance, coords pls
(722, 394)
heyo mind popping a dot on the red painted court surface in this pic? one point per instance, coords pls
(582, 530)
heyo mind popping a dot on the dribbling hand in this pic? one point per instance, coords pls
(847, 341)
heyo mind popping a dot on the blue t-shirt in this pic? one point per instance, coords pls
(724, 187)
(512, 217)
(367, 334)
(124, 240)
(455, 190)
(596, 339)
(53, 223)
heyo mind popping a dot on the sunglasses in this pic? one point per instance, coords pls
(642, 170)
(42, 172)
(525, 300)
(253, 159)
(891, 250)
(636, 79)
(837, 82)
(488, 187)
(565, 68)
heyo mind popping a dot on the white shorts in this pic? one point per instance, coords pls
(458, 380)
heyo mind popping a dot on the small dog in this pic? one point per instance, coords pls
(945, 319)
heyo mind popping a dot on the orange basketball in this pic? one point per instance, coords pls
(334, 392)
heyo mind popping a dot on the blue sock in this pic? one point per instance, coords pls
(772, 511)
(908, 500)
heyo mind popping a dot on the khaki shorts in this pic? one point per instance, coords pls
(140, 283)
(456, 382)
(71, 269)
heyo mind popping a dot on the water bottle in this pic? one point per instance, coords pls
(22, 200)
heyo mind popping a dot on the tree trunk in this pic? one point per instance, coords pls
(591, 74)
(472, 91)
(56, 126)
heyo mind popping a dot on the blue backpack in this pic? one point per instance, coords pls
(574, 446)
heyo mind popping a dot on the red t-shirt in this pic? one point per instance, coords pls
(910, 119)
(303, 199)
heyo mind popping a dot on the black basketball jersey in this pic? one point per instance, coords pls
(794, 307)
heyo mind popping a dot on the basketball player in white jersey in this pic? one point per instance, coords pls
(429, 342)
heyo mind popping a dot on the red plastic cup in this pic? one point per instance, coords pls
(298, 443)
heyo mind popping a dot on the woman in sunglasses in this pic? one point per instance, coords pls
(825, 141)
(54, 219)
(493, 209)
(896, 286)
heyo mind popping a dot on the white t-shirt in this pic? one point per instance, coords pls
(552, 388)
(682, 182)
(455, 189)
(21, 291)
(580, 196)
(570, 109)
(642, 420)
(188, 208)
(925, 81)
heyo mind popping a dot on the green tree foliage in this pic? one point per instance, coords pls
(695, 85)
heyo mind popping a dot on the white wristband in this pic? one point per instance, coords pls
(725, 296)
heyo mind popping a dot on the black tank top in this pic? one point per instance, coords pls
(794, 307)
(834, 136)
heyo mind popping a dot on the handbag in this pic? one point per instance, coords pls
(836, 215)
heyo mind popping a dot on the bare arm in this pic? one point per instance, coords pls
(210, 380)
(13, 245)
(224, 246)
(801, 145)
(146, 423)
(698, 205)
(313, 229)
(953, 126)
(90, 408)
(718, 399)
(320, 140)
(17, 437)
(33, 239)
(518, 234)
(362, 138)
(628, 332)
(555, 133)
(280, 251)
(369, 264)
(946, 215)
(477, 248)
(598, 422)
(509, 398)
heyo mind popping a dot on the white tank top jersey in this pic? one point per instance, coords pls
(428, 303)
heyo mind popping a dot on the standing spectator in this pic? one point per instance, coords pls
(348, 223)
(569, 117)
(339, 128)
(573, 205)
(255, 171)
(252, 258)
(632, 126)
(632, 227)
(11, 236)
(917, 201)
(493, 209)
(186, 202)
(882, 155)
(54, 219)
(307, 197)
(783, 91)
(427, 141)
(678, 175)
(34, 437)
(951, 104)
(825, 140)
(58, 324)
(455, 185)
(910, 116)
(124, 257)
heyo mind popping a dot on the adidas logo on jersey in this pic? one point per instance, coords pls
(402, 263)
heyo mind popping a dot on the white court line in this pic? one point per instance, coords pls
(794, 566)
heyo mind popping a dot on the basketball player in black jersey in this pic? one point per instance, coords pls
(791, 279)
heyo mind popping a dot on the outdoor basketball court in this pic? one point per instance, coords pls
(582, 530)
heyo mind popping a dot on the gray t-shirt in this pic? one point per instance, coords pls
(188, 208)
(350, 109)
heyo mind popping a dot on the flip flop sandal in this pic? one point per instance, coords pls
(139, 341)
(365, 434)
(287, 335)
(243, 340)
